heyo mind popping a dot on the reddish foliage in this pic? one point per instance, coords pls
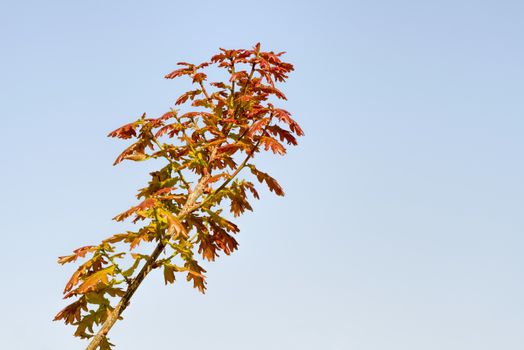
(182, 207)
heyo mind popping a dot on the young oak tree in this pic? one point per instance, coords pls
(181, 208)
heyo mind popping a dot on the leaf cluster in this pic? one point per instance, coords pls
(212, 134)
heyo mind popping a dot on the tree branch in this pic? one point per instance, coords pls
(237, 170)
(148, 266)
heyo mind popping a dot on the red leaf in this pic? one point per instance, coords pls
(188, 95)
(251, 189)
(168, 115)
(207, 247)
(72, 312)
(225, 242)
(258, 126)
(173, 129)
(179, 72)
(229, 149)
(270, 143)
(272, 90)
(124, 132)
(285, 116)
(282, 134)
(238, 76)
(219, 85)
(199, 77)
(146, 204)
(264, 177)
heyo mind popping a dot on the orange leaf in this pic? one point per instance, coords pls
(173, 224)
(78, 253)
(91, 282)
(146, 204)
(169, 274)
(270, 143)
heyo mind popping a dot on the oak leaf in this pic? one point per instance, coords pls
(144, 205)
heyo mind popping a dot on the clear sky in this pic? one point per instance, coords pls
(402, 225)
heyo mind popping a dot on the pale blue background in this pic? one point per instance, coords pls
(402, 228)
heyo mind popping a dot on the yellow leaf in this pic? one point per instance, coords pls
(92, 281)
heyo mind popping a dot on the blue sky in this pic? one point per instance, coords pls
(402, 225)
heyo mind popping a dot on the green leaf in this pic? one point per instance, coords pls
(129, 271)
(96, 298)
